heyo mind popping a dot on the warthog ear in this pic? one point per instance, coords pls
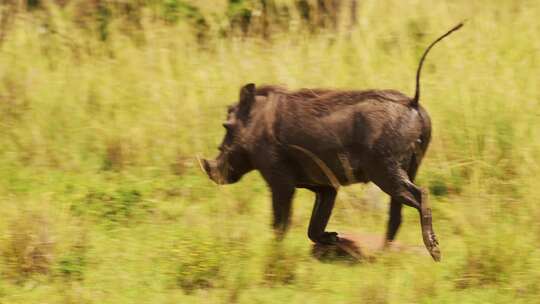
(247, 98)
(247, 93)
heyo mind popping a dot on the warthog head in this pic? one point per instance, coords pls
(233, 160)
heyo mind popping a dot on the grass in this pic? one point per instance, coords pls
(101, 199)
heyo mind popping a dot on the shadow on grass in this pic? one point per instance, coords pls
(345, 251)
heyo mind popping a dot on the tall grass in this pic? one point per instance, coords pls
(101, 199)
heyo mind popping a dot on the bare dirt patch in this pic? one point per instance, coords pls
(360, 247)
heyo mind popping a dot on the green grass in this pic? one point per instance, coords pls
(101, 199)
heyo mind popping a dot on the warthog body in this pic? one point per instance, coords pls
(321, 139)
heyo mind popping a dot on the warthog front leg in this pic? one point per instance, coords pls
(322, 209)
(282, 196)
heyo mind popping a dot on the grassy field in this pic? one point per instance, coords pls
(101, 199)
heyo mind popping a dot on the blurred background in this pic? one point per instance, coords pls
(105, 104)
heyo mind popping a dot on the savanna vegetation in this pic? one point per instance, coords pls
(105, 104)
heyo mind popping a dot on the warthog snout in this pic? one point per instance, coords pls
(211, 169)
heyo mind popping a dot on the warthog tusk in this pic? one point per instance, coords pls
(200, 163)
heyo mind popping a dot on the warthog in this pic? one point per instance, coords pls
(321, 139)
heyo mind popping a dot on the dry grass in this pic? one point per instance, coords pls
(29, 248)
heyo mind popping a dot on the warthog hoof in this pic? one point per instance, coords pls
(435, 253)
(432, 245)
(327, 238)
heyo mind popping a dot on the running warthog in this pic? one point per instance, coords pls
(321, 139)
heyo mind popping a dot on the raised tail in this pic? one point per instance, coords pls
(416, 97)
